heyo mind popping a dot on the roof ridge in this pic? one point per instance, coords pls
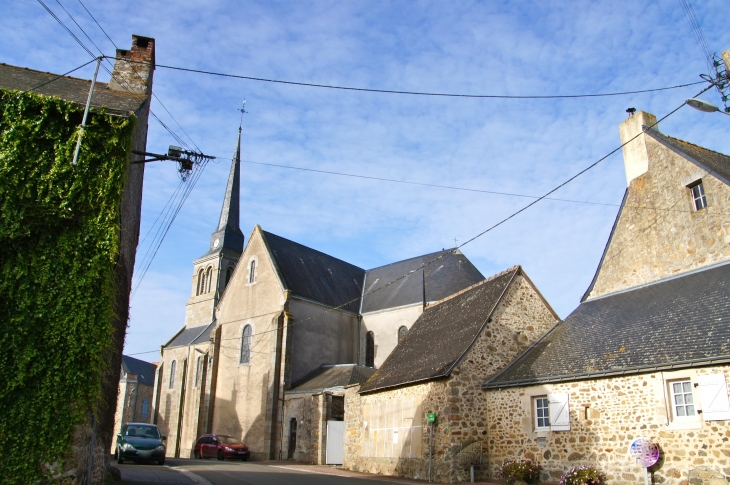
(692, 144)
(52, 74)
(414, 257)
(516, 267)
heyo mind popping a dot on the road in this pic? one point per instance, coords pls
(238, 473)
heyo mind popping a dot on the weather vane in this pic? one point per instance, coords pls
(243, 111)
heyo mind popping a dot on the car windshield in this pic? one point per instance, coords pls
(141, 431)
(229, 440)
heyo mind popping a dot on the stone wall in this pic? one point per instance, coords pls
(659, 205)
(387, 432)
(606, 415)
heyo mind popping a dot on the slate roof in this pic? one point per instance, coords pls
(332, 377)
(70, 88)
(145, 371)
(715, 162)
(190, 335)
(452, 272)
(314, 275)
(673, 323)
(442, 335)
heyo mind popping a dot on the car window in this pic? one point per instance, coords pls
(141, 431)
(229, 440)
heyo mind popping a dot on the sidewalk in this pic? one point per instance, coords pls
(341, 472)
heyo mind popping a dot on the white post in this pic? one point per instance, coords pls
(86, 112)
(646, 476)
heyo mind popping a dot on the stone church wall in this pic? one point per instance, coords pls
(460, 435)
(660, 204)
(606, 415)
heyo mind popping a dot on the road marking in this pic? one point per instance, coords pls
(193, 476)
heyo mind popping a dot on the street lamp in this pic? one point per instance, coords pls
(702, 105)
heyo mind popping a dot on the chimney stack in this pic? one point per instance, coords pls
(133, 68)
(636, 157)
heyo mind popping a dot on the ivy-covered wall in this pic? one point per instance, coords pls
(59, 240)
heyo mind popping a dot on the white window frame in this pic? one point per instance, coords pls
(699, 199)
(558, 412)
(541, 403)
(673, 400)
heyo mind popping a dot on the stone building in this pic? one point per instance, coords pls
(127, 94)
(647, 352)
(136, 386)
(453, 346)
(262, 318)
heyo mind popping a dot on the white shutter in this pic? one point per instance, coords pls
(713, 394)
(559, 412)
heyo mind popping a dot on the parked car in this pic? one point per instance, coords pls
(220, 446)
(140, 442)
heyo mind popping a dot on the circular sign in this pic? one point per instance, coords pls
(644, 451)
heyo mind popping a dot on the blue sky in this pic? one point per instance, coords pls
(520, 146)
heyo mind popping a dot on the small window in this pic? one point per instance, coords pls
(229, 273)
(402, 333)
(172, 374)
(246, 345)
(698, 196)
(145, 408)
(201, 282)
(198, 370)
(683, 405)
(370, 349)
(208, 278)
(252, 272)
(542, 413)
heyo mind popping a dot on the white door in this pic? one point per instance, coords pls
(335, 442)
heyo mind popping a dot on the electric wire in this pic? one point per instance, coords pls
(55, 78)
(698, 34)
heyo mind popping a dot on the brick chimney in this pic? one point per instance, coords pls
(636, 157)
(133, 68)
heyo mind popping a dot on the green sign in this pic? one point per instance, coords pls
(431, 417)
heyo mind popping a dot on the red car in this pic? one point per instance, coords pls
(220, 446)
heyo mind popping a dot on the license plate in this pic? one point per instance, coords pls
(241, 452)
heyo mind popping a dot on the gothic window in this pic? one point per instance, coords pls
(402, 331)
(246, 345)
(198, 370)
(370, 349)
(698, 196)
(229, 273)
(172, 374)
(252, 272)
(201, 282)
(208, 278)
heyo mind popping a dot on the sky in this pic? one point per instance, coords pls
(521, 146)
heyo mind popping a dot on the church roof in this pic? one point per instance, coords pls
(332, 377)
(678, 322)
(145, 371)
(69, 88)
(445, 273)
(314, 275)
(190, 335)
(442, 335)
(716, 163)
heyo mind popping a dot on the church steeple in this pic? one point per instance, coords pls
(228, 234)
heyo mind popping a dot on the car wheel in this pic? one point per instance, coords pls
(196, 454)
(161, 462)
(220, 455)
(120, 460)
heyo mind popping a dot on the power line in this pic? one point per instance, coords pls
(422, 93)
(57, 77)
(698, 34)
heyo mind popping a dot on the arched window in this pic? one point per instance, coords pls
(401, 334)
(246, 345)
(370, 349)
(201, 282)
(252, 272)
(229, 273)
(208, 279)
(172, 374)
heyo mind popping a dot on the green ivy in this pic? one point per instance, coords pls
(59, 240)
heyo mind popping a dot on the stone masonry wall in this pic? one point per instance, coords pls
(659, 205)
(460, 433)
(606, 415)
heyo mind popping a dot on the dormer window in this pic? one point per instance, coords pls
(698, 196)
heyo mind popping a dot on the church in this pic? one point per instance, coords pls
(269, 319)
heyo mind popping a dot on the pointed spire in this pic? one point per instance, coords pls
(228, 233)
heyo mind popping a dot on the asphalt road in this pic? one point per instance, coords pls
(239, 473)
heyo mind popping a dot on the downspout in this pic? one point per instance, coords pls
(136, 396)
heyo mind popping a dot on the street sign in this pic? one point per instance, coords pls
(431, 417)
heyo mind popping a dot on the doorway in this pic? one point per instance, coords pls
(292, 438)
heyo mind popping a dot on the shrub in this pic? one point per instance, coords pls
(524, 470)
(583, 475)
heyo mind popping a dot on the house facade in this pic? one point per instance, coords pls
(136, 390)
(647, 352)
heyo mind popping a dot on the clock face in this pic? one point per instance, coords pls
(216, 243)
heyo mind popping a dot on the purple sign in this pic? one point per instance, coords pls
(644, 451)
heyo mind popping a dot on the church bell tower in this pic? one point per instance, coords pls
(213, 270)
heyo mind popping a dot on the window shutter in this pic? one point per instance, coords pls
(713, 393)
(559, 412)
